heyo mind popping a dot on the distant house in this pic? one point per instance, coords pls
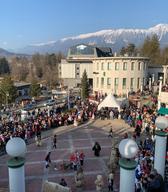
(23, 88)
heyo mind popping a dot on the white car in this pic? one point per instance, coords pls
(50, 102)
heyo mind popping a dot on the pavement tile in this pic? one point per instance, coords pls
(82, 143)
(60, 154)
(4, 171)
(33, 185)
(62, 144)
(92, 165)
(36, 169)
(35, 156)
(67, 142)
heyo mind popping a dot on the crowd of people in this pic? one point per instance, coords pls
(39, 120)
(141, 119)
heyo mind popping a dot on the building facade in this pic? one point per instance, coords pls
(80, 58)
(119, 75)
(106, 73)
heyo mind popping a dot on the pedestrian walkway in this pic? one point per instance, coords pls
(70, 139)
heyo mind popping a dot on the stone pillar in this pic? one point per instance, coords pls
(160, 152)
(127, 175)
(150, 84)
(16, 174)
(159, 105)
(153, 78)
(160, 86)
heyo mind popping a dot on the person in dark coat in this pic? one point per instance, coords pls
(48, 159)
(96, 148)
(63, 182)
(55, 141)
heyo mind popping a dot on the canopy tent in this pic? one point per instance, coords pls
(109, 101)
(163, 111)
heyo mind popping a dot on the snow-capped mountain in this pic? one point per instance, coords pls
(114, 38)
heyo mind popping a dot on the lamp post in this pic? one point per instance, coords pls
(141, 86)
(128, 149)
(160, 144)
(153, 78)
(113, 157)
(16, 148)
(68, 99)
(160, 90)
(150, 84)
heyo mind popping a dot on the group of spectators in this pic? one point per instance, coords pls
(39, 120)
(143, 121)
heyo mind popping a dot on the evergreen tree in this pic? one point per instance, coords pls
(35, 89)
(4, 66)
(7, 90)
(122, 51)
(151, 49)
(84, 85)
(164, 56)
(131, 49)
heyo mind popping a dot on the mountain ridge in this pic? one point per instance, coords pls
(114, 38)
(8, 54)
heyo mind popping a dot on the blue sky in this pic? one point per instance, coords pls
(24, 22)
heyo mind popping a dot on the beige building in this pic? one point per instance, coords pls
(80, 57)
(106, 73)
(119, 75)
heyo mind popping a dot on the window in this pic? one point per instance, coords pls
(132, 83)
(102, 82)
(144, 66)
(116, 66)
(77, 68)
(108, 81)
(124, 83)
(109, 66)
(102, 66)
(81, 50)
(97, 82)
(77, 73)
(116, 82)
(139, 66)
(97, 66)
(138, 83)
(124, 66)
(132, 66)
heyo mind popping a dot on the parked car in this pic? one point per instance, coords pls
(29, 107)
(50, 102)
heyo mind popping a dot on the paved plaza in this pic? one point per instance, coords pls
(69, 139)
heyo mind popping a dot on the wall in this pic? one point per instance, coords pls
(105, 73)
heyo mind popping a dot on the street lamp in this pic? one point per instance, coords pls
(160, 144)
(16, 148)
(68, 98)
(128, 150)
